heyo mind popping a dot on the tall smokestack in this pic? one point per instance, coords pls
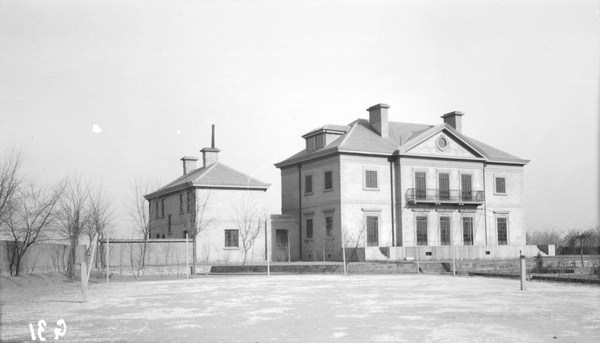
(212, 144)
(210, 155)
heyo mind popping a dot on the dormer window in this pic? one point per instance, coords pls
(319, 138)
(315, 142)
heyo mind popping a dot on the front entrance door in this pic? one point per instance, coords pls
(372, 231)
(281, 242)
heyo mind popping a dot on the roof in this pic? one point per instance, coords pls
(362, 138)
(216, 175)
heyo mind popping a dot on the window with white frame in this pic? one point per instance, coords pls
(371, 179)
(502, 227)
(180, 202)
(421, 230)
(467, 230)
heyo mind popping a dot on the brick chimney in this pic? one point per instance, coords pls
(210, 155)
(454, 119)
(189, 163)
(378, 118)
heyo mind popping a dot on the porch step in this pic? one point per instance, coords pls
(435, 268)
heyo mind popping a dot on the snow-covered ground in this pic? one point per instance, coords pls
(303, 308)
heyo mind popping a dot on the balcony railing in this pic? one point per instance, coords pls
(437, 196)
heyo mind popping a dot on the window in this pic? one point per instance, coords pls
(467, 231)
(162, 208)
(157, 235)
(371, 179)
(156, 209)
(466, 187)
(163, 236)
(309, 228)
(320, 141)
(329, 226)
(421, 230)
(421, 185)
(500, 185)
(189, 201)
(444, 230)
(169, 223)
(149, 234)
(372, 231)
(308, 184)
(328, 180)
(185, 233)
(180, 202)
(444, 186)
(310, 144)
(231, 238)
(502, 226)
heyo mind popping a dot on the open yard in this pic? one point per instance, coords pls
(303, 308)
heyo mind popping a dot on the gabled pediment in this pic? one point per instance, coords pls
(442, 141)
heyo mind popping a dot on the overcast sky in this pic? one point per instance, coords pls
(154, 75)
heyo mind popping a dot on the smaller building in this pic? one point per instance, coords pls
(225, 207)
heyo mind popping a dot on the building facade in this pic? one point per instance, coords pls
(225, 207)
(402, 191)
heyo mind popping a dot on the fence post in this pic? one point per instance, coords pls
(107, 256)
(523, 270)
(187, 265)
(417, 258)
(83, 280)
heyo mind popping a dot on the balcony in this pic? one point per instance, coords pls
(436, 196)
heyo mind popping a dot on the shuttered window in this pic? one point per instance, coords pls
(444, 186)
(231, 238)
(445, 230)
(421, 230)
(420, 185)
(320, 141)
(371, 179)
(467, 231)
(466, 187)
(500, 185)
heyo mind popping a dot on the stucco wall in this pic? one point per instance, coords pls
(220, 214)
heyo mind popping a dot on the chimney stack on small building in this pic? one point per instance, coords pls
(189, 163)
(378, 118)
(454, 119)
(210, 155)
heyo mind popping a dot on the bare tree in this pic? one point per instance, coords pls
(140, 214)
(200, 219)
(74, 217)
(9, 180)
(29, 218)
(249, 217)
(581, 237)
(99, 215)
(352, 239)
